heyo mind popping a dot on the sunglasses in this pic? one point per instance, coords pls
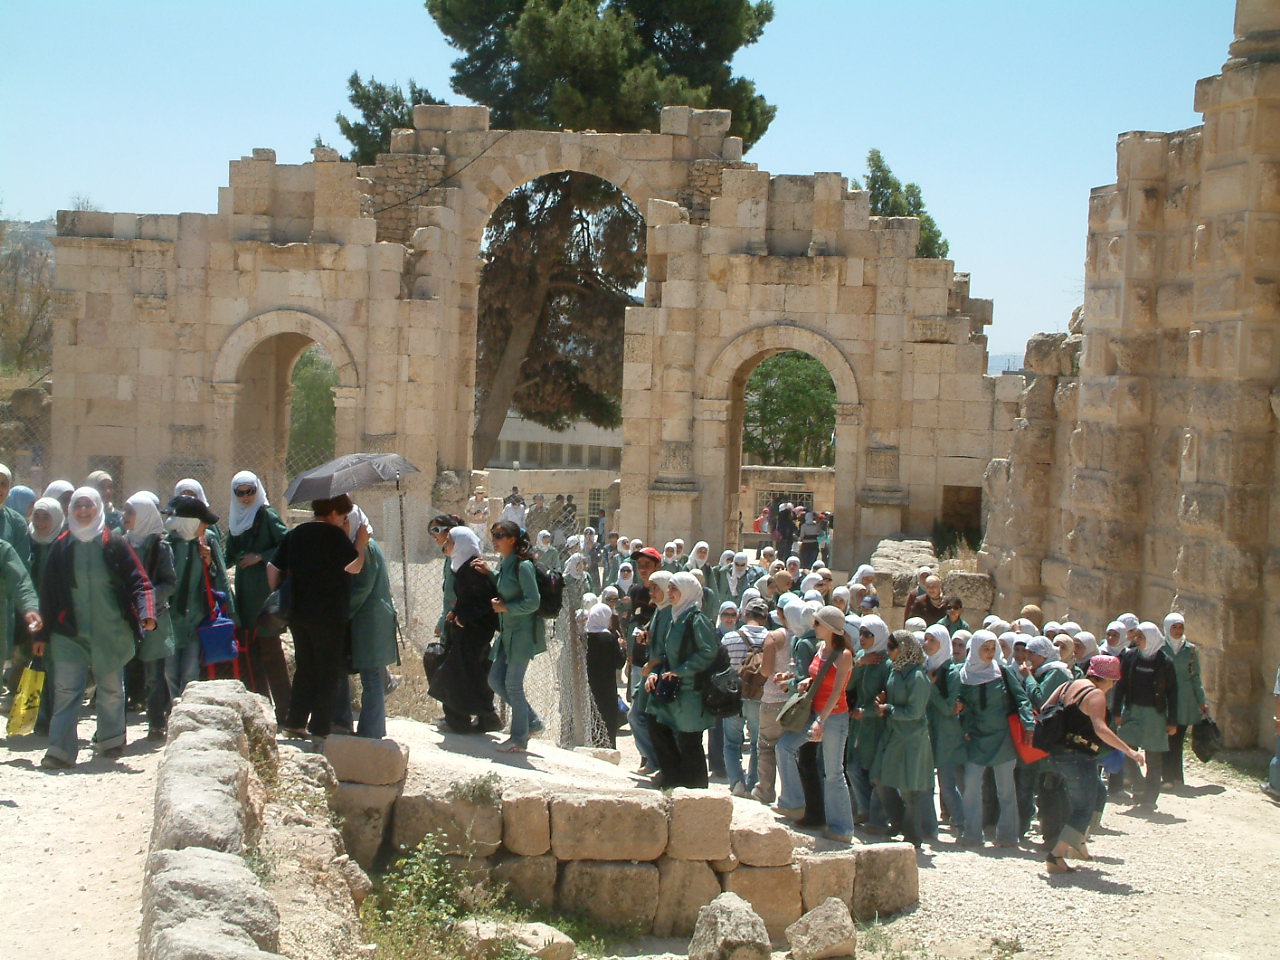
(246, 491)
(499, 535)
(955, 608)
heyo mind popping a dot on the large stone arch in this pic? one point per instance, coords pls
(722, 390)
(272, 323)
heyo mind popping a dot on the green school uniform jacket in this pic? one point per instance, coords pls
(904, 760)
(865, 683)
(1040, 689)
(985, 718)
(373, 615)
(17, 596)
(263, 537)
(687, 647)
(945, 731)
(14, 530)
(522, 634)
(1186, 667)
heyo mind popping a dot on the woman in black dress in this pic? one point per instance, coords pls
(461, 682)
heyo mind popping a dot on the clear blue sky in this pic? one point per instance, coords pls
(1004, 111)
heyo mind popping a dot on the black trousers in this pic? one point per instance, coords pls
(602, 667)
(318, 650)
(1172, 772)
(1146, 786)
(268, 673)
(902, 807)
(680, 757)
(809, 766)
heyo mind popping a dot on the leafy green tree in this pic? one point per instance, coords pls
(789, 415)
(563, 252)
(311, 415)
(382, 109)
(889, 198)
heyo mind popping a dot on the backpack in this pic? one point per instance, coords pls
(718, 684)
(751, 673)
(1050, 734)
(550, 589)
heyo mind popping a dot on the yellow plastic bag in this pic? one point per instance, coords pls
(26, 702)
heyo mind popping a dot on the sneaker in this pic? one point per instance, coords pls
(758, 794)
(837, 837)
(739, 789)
(48, 762)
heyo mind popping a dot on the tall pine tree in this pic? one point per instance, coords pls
(889, 198)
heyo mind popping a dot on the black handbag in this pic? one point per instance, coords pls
(273, 618)
(1206, 740)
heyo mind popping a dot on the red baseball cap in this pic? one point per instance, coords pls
(650, 552)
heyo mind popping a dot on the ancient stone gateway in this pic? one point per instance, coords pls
(177, 333)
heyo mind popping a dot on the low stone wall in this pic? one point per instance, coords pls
(214, 816)
(648, 860)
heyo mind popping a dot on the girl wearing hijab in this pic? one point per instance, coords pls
(19, 603)
(687, 647)
(198, 567)
(61, 491)
(47, 521)
(522, 634)
(670, 559)
(1146, 705)
(461, 681)
(97, 605)
(653, 619)
(254, 533)
(798, 618)
(545, 552)
(605, 655)
(21, 499)
(191, 487)
(903, 769)
(700, 560)
(945, 735)
(103, 482)
(144, 529)
(373, 636)
(1192, 705)
(1042, 673)
(988, 694)
(13, 524)
(866, 683)
(1085, 648)
(828, 728)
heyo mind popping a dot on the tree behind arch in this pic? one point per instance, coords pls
(789, 414)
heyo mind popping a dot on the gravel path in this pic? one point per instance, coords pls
(74, 847)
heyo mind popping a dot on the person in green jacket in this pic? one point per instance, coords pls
(866, 683)
(544, 551)
(254, 533)
(1192, 705)
(373, 637)
(989, 692)
(903, 767)
(13, 525)
(47, 521)
(144, 529)
(198, 567)
(945, 735)
(644, 637)
(522, 634)
(686, 648)
(18, 601)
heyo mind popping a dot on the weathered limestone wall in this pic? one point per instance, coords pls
(176, 335)
(1143, 469)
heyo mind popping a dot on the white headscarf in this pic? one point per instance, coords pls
(1005, 644)
(798, 616)
(734, 575)
(355, 520)
(241, 517)
(852, 624)
(934, 660)
(1169, 621)
(669, 552)
(916, 623)
(1044, 647)
(866, 570)
(999, 627)
(726, 558)
(58, 489)
(1070, 628)
(1089, 642)
(544, 538)
(195, 488)
(811, 595)
(626, 577)
(1155, 639)
(575, 567)
(185, 528)
(1122, 631)
(810, 582)
(87, 531)
(1130, 621)
(697, 561)
(975, 672)
(466, 547)
(879, 630)
(146, 517)
(53, 508)
(690, 591)
(751, 593)
(661, 579)
(1023, 625)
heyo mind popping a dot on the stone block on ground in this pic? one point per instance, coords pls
(255, 710)
(618, 895)
(684, 888)
(608, 827)
(465, 828)
(366, 817)
(758, 839)
(729, 929)
(204, 939)
(492, 938)
(364, 760)
(309, 768)
(888, 880)
(530, 881)
(773, 892)
(824, 875)
(699, 825)
(601, 753)
(977, 590)
(208, 716)
(202, 799)
(825, 932)
(206, 885)
(526, 821)
(896, 562)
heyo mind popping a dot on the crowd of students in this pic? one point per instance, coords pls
(113, 602)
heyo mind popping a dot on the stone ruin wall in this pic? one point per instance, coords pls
(175, 334)
(1143, 464)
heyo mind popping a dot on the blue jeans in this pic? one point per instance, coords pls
(865, 795)
(734, 728)
(835, 792)
(68, 689)
(506, 679)
(182, 667)
(1273, 772)
(1079, 775)
(373, 704)
(1006, 793)
(639, 722)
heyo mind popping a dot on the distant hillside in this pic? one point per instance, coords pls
(998, 363)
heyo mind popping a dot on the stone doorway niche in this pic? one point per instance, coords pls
(252, 393)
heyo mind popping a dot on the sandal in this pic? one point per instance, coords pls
(512, 747)
(1058, 865)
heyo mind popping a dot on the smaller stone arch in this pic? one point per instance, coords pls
(756, 343)
(271, 323)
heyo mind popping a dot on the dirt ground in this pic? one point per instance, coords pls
(1195, 881)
